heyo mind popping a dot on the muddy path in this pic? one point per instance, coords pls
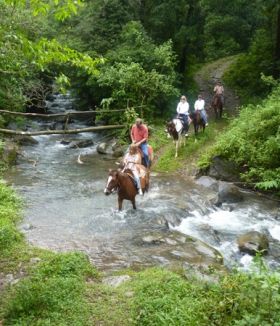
(208, 75)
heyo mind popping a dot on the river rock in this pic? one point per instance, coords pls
(27, 227)
(115, 281)
(252, 242)
(228, 193)
(222, 169)
(118, 152)
(81, 143)
(10, 153)
(102, 148)
(26, 140)
(176, 248)
(207, 182)
(202, 273)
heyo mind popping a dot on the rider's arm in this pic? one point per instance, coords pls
(178, 108)
(131, 134)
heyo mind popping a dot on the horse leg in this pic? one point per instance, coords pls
(120, 201)
(133, 203)
(221, 112)
(216, 113)
(176, 148)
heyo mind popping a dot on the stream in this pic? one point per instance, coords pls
(65, 207)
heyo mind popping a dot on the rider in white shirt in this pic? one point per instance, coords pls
(199, 105)
(183, 111)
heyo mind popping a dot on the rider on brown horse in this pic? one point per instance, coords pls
(199, 106)
(139, 135)
(132, 161)
(219, 91)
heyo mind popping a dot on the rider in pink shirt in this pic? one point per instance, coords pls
(139, 136)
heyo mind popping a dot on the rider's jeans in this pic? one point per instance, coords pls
(144, 148)
(185, 118)
(137, 180)
(203, 115)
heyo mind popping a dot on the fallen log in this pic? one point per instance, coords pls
(57, 132)
(55, 115)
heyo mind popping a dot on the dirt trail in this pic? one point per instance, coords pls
(206, 78)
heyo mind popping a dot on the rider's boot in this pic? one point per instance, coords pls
(140, 192)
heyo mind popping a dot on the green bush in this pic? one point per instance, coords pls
(54, 294)
(9, 235)
(253, 142)
(165, 298)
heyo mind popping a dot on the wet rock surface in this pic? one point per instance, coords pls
(176, 248)
(228, 193)
(10, 153)
(223, 170)
(26, 140)
(253, 242)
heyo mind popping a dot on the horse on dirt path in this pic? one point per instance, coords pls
(123, 183)
(198, 122)
(176, 130)
(217, 105)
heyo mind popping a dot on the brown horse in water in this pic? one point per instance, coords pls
(123, 183)
(217, 105)
(197, 121)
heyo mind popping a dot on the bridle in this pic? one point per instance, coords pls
(112, 189)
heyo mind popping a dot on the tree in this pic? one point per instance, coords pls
(138, 72)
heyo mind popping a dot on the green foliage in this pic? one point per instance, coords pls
(52, 294)
(253, 142)
(26, 53)
(245, 74)
(138, 72)
(165, 298)
(9, 206)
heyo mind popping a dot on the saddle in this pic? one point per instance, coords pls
(144, 176)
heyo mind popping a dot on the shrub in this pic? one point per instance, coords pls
(253, 142)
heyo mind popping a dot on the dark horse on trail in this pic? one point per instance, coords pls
(197, 121)
(217, 105)
(123, 183)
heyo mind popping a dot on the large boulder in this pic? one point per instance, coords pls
(118, 151)
(173, 247)
(253, 242)
(228, 193)
(103, 148)
(10, 153)
(222, 169)
(81, 143)
(24, 140)
(207, 182)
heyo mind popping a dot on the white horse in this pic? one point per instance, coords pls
(176, 130)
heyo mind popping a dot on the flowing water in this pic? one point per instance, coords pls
(65, 208)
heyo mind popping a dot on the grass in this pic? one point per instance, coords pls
(188, 155)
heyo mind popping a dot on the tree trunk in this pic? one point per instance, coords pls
(56, 115)
(57, 132)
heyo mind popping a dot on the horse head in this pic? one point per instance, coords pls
(112, 184)
(170, 128)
